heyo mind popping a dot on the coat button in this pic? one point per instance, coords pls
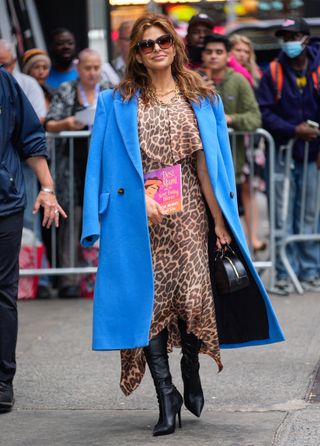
(120, 191)
(231, 194)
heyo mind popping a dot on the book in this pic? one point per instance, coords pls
(165, 187)
(86, 116)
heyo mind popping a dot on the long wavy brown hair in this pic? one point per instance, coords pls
(190, 84)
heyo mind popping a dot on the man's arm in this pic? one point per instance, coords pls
(28, 136)
(46, 197)
(272, 121)
(29, 140)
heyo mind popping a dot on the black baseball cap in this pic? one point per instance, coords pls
(297, 25)
(203, 19)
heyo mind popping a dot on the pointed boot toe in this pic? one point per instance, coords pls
(194, 403)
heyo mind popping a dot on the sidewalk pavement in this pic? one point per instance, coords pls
(68, 395)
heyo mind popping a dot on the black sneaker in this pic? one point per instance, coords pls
(44, 292)
(68, 292)
(6, 397)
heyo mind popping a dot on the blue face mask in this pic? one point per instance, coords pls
(292, 49)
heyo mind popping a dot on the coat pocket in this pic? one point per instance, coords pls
(103, 202)
(7, 184)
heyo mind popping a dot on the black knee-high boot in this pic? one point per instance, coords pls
(170, 400)
(193, 394)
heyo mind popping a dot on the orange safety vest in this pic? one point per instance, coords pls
(278, 78)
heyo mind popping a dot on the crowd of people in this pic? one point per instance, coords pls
(61, 82)
(172, 102)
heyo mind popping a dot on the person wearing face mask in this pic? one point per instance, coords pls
(285, 115)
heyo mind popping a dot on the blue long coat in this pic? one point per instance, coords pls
(115, 210)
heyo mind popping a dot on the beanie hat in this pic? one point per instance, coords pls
(32, 56)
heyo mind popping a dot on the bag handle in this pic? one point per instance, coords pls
(220, 253)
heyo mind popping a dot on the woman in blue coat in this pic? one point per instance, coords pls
(154, 287)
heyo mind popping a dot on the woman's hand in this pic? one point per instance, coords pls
(154, 210)
(223, 236)
(228, 120)
(73, 124)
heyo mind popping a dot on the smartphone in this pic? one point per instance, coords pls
(313, 124)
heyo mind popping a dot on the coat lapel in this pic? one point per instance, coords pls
(127, 119)
(208, 133)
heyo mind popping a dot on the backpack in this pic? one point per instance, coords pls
(276, 71)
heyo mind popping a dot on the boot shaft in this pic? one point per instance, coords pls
(157, 359)
(170, 400)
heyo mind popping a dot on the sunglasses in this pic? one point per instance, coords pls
(147, 46)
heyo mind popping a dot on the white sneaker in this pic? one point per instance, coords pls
(285, 285)
(312, 285)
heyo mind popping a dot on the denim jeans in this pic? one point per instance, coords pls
(304, 257)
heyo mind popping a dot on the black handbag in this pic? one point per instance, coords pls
(230, 274)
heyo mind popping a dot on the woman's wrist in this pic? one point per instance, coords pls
(219, 223)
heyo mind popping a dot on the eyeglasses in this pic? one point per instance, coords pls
(147, 46)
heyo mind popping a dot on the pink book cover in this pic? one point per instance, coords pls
(165, 187)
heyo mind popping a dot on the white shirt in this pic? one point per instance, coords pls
(33, 91)
(108, 74)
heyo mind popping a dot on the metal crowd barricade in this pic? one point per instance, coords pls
(248, 142)
(250, 138)
(52, 139)
(284, 234)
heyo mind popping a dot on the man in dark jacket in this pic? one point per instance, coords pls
(287, 105)
(21, 138)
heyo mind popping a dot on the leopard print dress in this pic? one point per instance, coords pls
(168, 134)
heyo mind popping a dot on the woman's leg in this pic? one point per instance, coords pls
(251, 216)
(170, 400)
